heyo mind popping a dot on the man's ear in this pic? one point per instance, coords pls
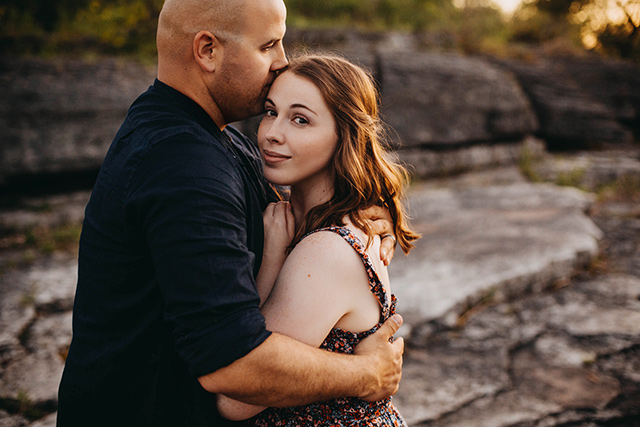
(206, 50)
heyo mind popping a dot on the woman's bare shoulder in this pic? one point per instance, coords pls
(326, 251)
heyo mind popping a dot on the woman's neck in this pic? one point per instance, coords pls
(306, 197)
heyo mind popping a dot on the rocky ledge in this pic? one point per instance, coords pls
(522, 303)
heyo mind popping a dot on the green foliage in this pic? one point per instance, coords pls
(105, 26)
(571, 178)
(526, 164)
(49, 239)
(624, 188)
(482, 29)
(372, 14)
(128, 26)
(534, 25)
(609, 27)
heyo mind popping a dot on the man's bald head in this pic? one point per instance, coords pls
(180, 20)
(223, 54)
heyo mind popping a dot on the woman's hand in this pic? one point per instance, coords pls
(279, 229)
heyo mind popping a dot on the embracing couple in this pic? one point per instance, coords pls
(207, 293)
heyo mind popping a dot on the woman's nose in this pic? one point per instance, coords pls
(273, 131)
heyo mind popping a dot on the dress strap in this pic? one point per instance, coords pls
(375, 284)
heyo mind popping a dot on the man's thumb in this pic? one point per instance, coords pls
(392, 324)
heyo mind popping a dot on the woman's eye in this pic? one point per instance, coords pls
(270, 113)
(300, 120)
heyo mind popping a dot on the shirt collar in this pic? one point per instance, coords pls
(190, 106)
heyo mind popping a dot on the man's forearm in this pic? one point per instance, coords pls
(284, 372)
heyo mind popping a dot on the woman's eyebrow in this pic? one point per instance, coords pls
(303, 106)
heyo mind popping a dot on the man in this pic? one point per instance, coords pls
(166, 310)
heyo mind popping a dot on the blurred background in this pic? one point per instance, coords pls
(520, 122)
(499, 27)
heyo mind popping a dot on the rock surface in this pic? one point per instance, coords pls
(490, 242)
(61, 115)
(569, 111)
(448, 112)
(440, 99)
(545, 343)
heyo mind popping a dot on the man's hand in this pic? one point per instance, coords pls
(381, 223)
(385, 358)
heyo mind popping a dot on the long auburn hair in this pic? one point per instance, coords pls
(364, 170)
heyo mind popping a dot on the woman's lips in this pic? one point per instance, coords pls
(271, 157)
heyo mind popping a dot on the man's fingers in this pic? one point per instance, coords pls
(382, 226)
(391, 325)
(377, 212)
(387, 250)
(399, 342)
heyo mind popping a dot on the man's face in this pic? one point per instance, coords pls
(250, 64)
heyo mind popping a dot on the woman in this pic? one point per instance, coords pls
(321, 136)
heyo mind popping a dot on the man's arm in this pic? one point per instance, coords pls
(322, 281)
(285, 372)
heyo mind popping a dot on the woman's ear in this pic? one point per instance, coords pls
(206, 50)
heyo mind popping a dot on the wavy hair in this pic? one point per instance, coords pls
(365, 171)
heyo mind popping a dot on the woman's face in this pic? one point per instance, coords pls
(297, 136)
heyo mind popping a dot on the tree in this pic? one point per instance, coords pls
(610, 26)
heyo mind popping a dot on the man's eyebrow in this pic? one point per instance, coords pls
(271, 42)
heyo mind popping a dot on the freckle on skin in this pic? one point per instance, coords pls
(308, 275)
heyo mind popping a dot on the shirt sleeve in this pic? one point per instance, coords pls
(188, 199)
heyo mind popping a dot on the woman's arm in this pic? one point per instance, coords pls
(322, 280)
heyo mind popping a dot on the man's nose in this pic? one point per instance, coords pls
(280, 61)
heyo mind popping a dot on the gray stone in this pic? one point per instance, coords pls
(48, 421)
(566, 386)
(431, 98)
(590, 170)
(52, 211)
(54, 288)
(614, 83)
(504, 409)
(442, 380)
(35, 375)
(8, 420)
(34, 342)
(60, 115)
(35, 368)
(429, 163)
(568, 114)
(16, 313)
(529, 350)
(492, 242)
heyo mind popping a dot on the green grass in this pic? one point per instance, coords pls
(27, 245)
(526, 164)
(572, 178)
(625, 188)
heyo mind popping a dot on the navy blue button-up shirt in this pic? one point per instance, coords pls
(171, 243)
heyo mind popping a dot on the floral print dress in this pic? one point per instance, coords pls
(349, 411)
